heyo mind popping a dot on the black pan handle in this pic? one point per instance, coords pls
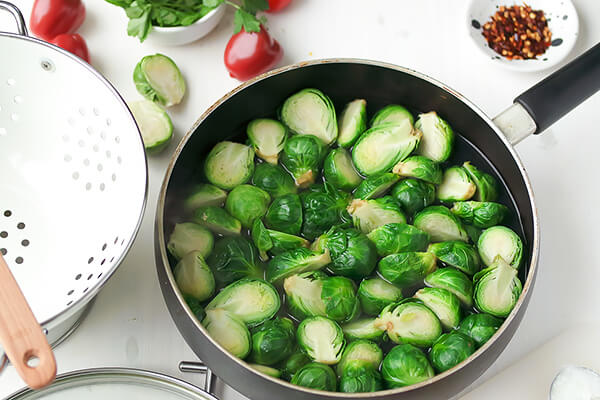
(561, 92)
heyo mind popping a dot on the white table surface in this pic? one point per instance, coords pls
(130, 325)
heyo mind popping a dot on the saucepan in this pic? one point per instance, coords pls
(484, 140)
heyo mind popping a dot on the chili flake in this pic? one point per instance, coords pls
(518, 32)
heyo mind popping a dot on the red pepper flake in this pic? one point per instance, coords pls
(518, 32)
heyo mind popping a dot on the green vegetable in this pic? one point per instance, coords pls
(203, 195)
(407, 269)
(473, 232)
(246, 203)
(440, 224)
(419, 167)
(274, 372)
(267, 136)
(396, 238)
(261, 238)
(322, 210)
(359, 377)
(487, 187)
(302, 156)
(457, 254)
(193, 276)
(370, 214)
(352, 122)
(228, 331)
(480, 327)
(273, 179)
(438, 137)
(363, 329)
(480, 214)
(405, 365)
(339, 171)
(413, 195)
(187, 237)
(316, 376)
(451, 349)
(497, 288)
(158, 79)
(285, 214)
(154, 123)
(456, 186)
(364, 351)
(195, 306)
(310, 112)
(500, 241)
(229, 164)
(283, 242)
(375, 293)
(303, 294)
(293, 364)
(217, 220)
(392, 113)
(339, 296)
(375, 185)
(410, 321)
(234, 258)
(273, 341)
(321, 339)
(443, 303)
(454, 281)
(294, 262)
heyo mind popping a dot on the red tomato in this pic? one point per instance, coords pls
(250, 54)
(74, 43)
(276, 5)
(50, 18)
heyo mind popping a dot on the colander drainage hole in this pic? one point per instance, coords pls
(7, 213)
(3, 234)
(3, 251)
(24, 242)
(90, 276)
(21, 225)
(19, 260)
(78, 277)
(104, 247)
(70, 292)
(90, 260)
(69, 303)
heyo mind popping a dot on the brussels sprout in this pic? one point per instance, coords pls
(187, 237)
(322, 210)
(456, 185)
(457, 254)
(193, 276)
(234, 258)
(273, 341)
(158, 79)
(261, 238)
(155, 125)
(396, 238)
(274, 372)
(285, 214)
(405, 365)
(480, 214)
(454, 281)
(375, 293)
(316, 376)
(353, 255)
(410, 321)
(438, 137)
(370, 214)
(359, 377)
(480, 327)
(283, 242)
(375, 185)
(292, 364)
(267, 136)
(440, 224)
(413, 195)
(451, 349)
(294, 262)
(339, 296)
(302, 156)
(443, 303)
(321, 339)
(251, 300)
(407, 269)
(487, 186)
(497, 288)
(203, 195)
(473, 232)
(419, 167)
(217, 220)
(303, 294)
(228, 331)
(310, 112)
(273, 179)
(246, 203)
(383, 146)
(352, 122)
(339, 171)
(365, 351)
(392, 113)
(500, 241)
(229, 164)
(195, 306)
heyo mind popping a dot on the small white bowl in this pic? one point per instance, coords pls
(179, 35)
(563, 22)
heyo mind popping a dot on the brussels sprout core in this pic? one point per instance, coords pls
(267, 136)
(456, 186)
(410, 322)
(302, 156)
(500, 241)
(229, 164)
(322, 339)
(310, 112)
(497, 289)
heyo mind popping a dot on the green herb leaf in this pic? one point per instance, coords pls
(140, 26)
(212, 3)
(243, 19)
(253, 6)
(120, 3)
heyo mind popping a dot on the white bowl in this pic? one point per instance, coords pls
(562, 21)
(179, 35)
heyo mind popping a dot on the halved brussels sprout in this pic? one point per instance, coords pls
(302, 156)
(405, 365)
(383, 146)
(406, 269)
(217, 220)
(397, 238)
(487, 186)
(370, 214)
(365, 351)
(360, 377)
(195, 306)
(194, 277)
(456, 186)
(419, 167)
(229, 164)
(480, 214)
(187, 237)
(273, 341)
(285, 214)
(443, 303)
(454, 281)
(497, 288)
(480, 327)
(322, 210)
(273, 179)
(310, 112)
(438, 137)
(457, 254)
(154, 123)
(267, 136)
(451, 349)
(375, 185)
(500, 241)
(339, 171)
(321, 339)
(228, 331)
(293, 364)
(303, 295)
(392, 113)
(352, 122)
(294, 262)
(158, 79)
(251, 300)
(246, 203)
(363, 329)
(316, 376)
(375, 293)
(261, 238)
(234, 258)
(440, 224)
(410, 321)
(413, 195)
(274, 372)
(283, 242)
(203, 195)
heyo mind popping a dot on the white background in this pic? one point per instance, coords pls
(129, 324)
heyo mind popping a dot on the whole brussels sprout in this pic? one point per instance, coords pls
(451, 349)
(364, 351)
(293, 364)
(396, 238)
(405, 365)
(193, 276)
(274, 372)
(406, 269)
(261, 238)
(370, 214)
(363, 329)
(322, 210)
(267, 136)
(375, 186)
(480, 327)
(273, 179)
(339, 296)
(294, 262)
(234, 258)
(497, 288)
(246, 203)
(456, 186)
(321, 339)
(457, 254)
(480, 214)
(217, 220)
(158, 79)
(487, 186)
(500, 241)
(375, 293)
(339, 171)
(440, 224)
(419, 167)
(273, 341)
(187, 237)
(443, 303)
(229, 331)
(413, 195)
(454, 281)
(438, 137)
(310, 112)
(393, 113)
(316, 376)
(302, 156)
(229, 164)
(285, 214)
(352, 122)
(203, 195)
(360, 377)
(410, 321)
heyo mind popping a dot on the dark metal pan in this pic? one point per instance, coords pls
(484, 141)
